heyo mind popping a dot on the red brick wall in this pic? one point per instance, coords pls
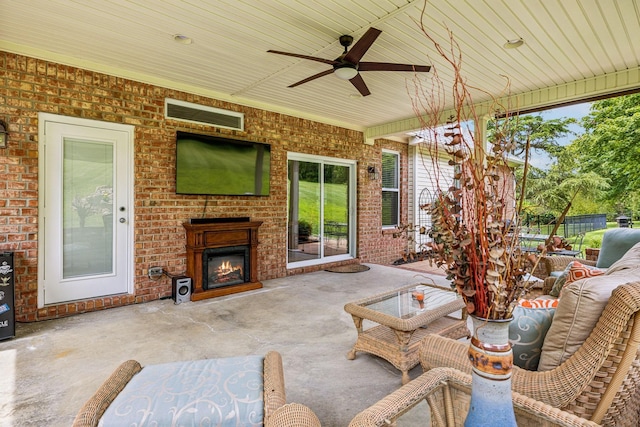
(29, 86)
(377, 245)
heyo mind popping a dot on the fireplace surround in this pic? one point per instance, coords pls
(222, 256)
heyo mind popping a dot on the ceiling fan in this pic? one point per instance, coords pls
(348, 66)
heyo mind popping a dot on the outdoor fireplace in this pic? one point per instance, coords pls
(222, 256)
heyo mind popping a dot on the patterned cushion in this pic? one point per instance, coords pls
(581, 271)
(538, 303)
(220, 392)
(528, 330)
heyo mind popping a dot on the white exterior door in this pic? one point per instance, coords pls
(85, 248)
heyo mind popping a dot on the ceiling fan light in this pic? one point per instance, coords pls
(345, 73)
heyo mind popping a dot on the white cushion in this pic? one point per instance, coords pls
(225, 392)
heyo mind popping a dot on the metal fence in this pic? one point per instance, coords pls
(584, 223)
(571, 226)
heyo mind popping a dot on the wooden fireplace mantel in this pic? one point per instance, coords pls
(218, 235)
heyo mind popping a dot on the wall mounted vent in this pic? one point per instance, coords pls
(195, 113)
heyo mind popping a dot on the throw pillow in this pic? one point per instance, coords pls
(560, 280)
(630, 260)
(579, 271)
(577, 313)
(538, 303)
(527, 331)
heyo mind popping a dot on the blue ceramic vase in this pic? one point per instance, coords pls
(491, 357)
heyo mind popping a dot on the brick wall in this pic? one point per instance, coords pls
(29, 86)
(591, 254)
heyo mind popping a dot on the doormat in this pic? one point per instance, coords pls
(350, 268)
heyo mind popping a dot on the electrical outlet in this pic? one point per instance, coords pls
(155, 271)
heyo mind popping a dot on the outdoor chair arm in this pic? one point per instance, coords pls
(549, 387)
(273, 376)
(91, 412)
(447, 392)
(293, 415)
(436, 352)
(560, 262)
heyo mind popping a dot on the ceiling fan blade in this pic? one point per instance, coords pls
(312, 58)
(360, 48)
(315, 76)
(359, 84)
(386, 66)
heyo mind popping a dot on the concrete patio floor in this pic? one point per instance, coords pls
(52, 367)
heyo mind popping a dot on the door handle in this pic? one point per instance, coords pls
(122, 220)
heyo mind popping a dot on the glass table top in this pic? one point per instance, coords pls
(405, 304)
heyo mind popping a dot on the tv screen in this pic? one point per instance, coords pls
(223, 166)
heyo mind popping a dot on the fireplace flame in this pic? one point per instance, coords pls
(226, 268)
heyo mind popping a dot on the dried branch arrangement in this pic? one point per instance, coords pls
(474, 232)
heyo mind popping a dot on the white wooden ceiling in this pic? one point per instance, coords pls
(565, 41)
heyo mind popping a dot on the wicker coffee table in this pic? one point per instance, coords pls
(399, 323)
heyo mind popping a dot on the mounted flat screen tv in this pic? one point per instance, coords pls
(222, 166)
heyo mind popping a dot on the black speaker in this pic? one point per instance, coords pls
(181, 289)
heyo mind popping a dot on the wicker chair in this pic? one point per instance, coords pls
(615, 243)
(277, 412)
(447, 391)
(599, 382)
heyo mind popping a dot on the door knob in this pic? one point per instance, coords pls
(122, 220)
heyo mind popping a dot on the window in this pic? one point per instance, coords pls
(390, 189)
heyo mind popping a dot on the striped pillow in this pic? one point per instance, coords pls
(538, 303)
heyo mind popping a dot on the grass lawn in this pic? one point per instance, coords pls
(335, 208)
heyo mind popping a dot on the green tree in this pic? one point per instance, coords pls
(553, 190)
(541, 135)
(610, 147)
(545, 191)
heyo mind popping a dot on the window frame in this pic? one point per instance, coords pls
(352, 205)
(392, 190)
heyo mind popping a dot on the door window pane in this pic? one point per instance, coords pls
(304, 211)
(87, 209)
(336, 210)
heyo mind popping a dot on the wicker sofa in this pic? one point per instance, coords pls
(600, 380)
(223, 391)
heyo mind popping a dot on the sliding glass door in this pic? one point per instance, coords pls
(321, 209)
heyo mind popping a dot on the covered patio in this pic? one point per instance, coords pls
(120, 63)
